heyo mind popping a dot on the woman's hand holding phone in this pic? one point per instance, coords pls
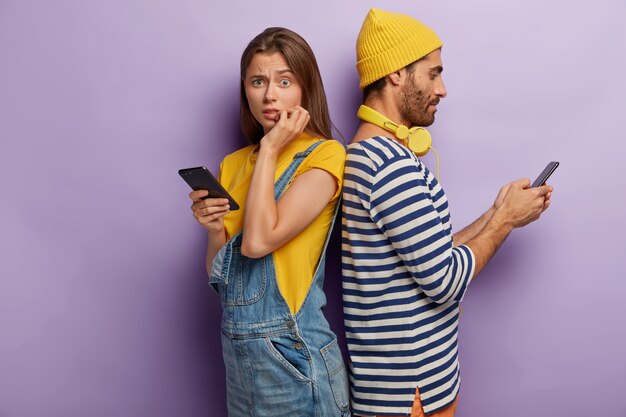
(209, 212)
(289, 125)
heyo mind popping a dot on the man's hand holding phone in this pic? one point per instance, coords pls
(523, 204)
(527, 201)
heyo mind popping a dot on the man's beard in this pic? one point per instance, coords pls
(414, 106)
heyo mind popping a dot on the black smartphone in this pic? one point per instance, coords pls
(545, 174)
(200, 178)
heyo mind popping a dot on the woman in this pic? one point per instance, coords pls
(267, 260)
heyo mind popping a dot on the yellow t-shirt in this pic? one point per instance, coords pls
(295, 261)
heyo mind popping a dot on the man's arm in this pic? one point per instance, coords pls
(520, 205)
(402, 207)
(471, 231)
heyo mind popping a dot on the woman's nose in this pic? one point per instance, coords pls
(270, 94)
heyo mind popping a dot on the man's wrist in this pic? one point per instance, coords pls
(500, 221)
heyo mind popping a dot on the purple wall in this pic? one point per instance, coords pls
(104, 307)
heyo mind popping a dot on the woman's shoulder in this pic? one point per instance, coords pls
(240, 155)
(328, 147)
(334, 145)
(329, 155)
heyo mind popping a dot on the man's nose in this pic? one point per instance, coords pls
(440, 89)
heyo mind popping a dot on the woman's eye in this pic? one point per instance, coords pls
(257, 83)
(285, 83)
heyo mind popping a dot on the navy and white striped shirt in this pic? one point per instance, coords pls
(402, 281)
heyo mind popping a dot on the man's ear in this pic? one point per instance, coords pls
(396, 78)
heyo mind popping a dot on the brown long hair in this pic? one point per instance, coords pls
(302, 62)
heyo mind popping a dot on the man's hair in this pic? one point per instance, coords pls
(376, 88)
(302, 62)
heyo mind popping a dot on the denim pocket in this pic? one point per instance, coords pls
(239, 280)
(291, 353)
(337, 374)
(246, 279)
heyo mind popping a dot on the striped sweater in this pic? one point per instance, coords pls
(402, 281)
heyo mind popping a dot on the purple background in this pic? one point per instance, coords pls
(104, 306)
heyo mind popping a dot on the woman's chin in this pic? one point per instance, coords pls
(267, 125)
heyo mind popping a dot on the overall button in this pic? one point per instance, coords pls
(298, 346)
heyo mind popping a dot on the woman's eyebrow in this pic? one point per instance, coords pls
(280, 71)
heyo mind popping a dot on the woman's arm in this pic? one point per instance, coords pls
(215, 243)
(210, 214)
(268, 224)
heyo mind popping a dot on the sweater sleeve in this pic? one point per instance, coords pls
(404, 209)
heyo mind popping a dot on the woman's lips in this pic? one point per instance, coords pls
(271, 114)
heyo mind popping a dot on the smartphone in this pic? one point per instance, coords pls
(545, 174)
(200, 178)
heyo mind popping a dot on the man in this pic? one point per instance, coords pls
(404, 273)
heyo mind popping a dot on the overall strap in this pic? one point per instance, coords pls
(287, 176)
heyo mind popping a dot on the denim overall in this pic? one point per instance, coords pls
(277, 364)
